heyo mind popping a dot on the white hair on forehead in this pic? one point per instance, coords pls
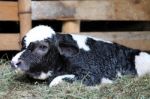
(38, 33)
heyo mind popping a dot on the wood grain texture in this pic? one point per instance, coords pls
(8, 11)
(137, 40)
(24, 16)
(9, 41)
(119, 35)
(132, 9)
(92, 10)
(71, 26)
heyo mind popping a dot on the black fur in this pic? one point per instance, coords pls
(104, 60)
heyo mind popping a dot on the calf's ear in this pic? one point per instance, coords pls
(67, 49)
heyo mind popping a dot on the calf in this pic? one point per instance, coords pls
(69, 57)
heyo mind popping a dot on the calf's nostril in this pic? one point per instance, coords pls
(14, 65)
(18, 63)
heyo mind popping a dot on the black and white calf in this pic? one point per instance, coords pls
(58, 57)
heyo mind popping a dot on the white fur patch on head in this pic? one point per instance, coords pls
(106, 81)
(142, 63)
(15, 58)
(43, 75)
(59, 79)
(38, 33)
(81, 41)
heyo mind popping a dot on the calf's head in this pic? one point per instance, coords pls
(44, 57)
(40, 32)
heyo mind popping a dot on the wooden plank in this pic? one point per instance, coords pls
(24, 16)
(9, 41)
(8, 11)
(71, 26)
(56, 10)
(119, 35)
(136, 44)
(91, 10)
(132, 9)
(137, 40)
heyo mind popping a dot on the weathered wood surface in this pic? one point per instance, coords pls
(71, 26)
(8, 11)
(139, 40)
(24, 16)
(72, 11)
(91, 10)
(119, 35)
(9, 41)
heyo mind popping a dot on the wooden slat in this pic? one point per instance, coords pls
(119, 35)
(136, 44)
(9, 41)
(132, 9)
(24, 16)
(92, 10)
(8, 10)
(71, 26)
(137, 40)
(52, 10)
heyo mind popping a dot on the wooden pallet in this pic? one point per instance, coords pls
(71, 13)
(15, 11)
